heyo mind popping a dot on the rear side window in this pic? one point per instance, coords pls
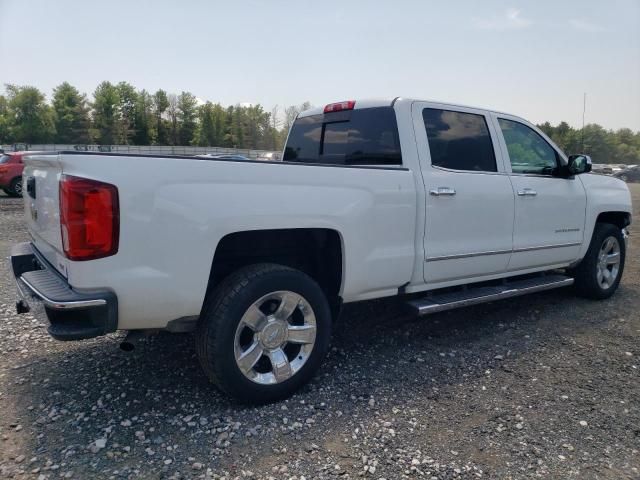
(4, 158)
(368, 136)
(459, 141)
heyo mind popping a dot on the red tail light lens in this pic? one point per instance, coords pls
(89, 218)
(339, 106)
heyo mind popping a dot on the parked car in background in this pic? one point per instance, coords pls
(270, 157)
(602, 169)
(629, 175)
(11, 173)
(224, 156)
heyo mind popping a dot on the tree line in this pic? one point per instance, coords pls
(119, 114)
(604, 146)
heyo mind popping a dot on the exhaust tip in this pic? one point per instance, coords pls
(128, 344)
(22, 307)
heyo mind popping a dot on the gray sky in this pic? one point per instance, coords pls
(533, 59)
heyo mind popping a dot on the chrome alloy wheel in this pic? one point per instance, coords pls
(608, 265)
(275, 337)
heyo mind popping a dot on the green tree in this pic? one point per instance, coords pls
(127, 101)
(160, 106)
(237, 127)
(598, 143)
(30, 119)
(604, 146)
(174, 123)
(72, 121)
(144, 124)
(206, 134)
(187, 116)
(106, 114)
(219, 119)
(257, 123)
(5, 136)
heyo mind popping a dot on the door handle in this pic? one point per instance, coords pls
(442, 191)
(527, 192)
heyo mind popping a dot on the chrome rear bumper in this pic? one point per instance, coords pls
(72, 315)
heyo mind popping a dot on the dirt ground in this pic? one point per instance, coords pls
(544, 386)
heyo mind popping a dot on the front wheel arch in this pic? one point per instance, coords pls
(586, 273)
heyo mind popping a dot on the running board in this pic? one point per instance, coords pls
(440, 302)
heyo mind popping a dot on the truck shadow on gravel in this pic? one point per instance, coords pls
(92, 389)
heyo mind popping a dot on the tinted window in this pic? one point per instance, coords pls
(528, 151)
(459, 141)
(358, 137)
(4, 158)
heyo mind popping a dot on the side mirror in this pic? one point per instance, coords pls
(579, 164)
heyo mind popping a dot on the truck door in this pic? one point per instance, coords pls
(549, 210)
(469, 198)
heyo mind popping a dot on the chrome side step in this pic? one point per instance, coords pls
(474, 295)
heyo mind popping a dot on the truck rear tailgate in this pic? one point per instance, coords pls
(41, 177)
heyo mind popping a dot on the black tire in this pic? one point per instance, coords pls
(586, 273)
(222, 312)
(15, 187)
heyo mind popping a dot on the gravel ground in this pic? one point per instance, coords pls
(544, 386)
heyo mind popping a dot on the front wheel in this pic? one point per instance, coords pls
(598, 274)
(263, 332)
(15, 187)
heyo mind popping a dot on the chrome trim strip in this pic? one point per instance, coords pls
(499, 252)
(509, 293)
(467, 255)
(62, 305)
(543, 247)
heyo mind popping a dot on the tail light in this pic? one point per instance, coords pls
(89, 218)
(339, 106)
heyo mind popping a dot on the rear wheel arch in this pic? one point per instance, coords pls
(318, 252)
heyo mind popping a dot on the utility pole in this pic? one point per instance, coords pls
(584, 109)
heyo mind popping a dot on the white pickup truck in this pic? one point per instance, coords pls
(440, 204)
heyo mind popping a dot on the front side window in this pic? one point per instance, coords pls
(4, 158)
(459, 141)
(528, 151)
(367, 136)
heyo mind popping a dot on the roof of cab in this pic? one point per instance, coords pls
(387, 102)
(361, 103)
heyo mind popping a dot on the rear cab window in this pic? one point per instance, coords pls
(459, 141)
(360, 137)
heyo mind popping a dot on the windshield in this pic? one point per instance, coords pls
(368, 136)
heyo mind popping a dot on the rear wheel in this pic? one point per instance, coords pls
(598, 274)
(15, 187)
(263, 332)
